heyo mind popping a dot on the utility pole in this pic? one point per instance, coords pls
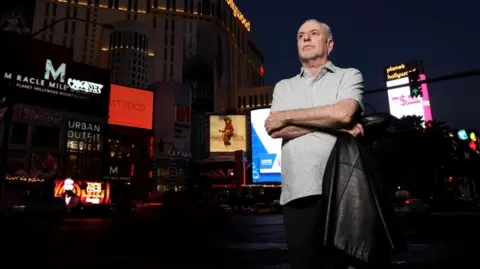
(48, 26)
(430, 80)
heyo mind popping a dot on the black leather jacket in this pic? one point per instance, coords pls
(360, 218)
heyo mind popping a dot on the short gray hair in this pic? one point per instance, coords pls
(324, 25)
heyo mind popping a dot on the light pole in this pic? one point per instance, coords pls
(105, 26)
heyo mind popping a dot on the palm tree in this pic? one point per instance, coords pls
(415, 121)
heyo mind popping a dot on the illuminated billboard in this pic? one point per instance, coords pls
(228, 133)
(131, 107)
(39, 77)
(399, 100)
(266, 151)
(398, 71)
(82, 192)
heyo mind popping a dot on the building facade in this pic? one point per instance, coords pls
(253, 98)
(129, 143)
(145, 41)
(172, 135)
(57, 111)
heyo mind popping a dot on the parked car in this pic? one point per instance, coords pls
(408, 206)
(226, 208)
(264, 208)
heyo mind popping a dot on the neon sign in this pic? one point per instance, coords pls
(401, 70)
(237, 14)
(88, 192)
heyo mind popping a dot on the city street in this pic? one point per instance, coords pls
(445, 241)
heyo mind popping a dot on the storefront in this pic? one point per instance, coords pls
(129, 143)
(55, 125)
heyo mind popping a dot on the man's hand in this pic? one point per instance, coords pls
(356, 130)
(275, 121)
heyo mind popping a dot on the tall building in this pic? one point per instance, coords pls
(172, 151)
(146, 41)
(253, 98)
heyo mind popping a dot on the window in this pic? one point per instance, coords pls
(182, 114)
(19, 133)
(83, 166)
(16, 161)
(46, 137)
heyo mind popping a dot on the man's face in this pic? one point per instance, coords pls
(312, 41)
(68, 184)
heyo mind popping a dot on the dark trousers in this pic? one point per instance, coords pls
(303, 228)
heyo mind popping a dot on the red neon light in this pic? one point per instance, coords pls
(150, 147)
(244, 168)
(132, 169)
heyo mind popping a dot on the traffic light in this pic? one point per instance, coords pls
(415, 86)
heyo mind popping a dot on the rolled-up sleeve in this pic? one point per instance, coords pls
(352, 87)
(278, 97)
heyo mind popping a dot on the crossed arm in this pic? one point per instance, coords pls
(290, 124)
(340, 116)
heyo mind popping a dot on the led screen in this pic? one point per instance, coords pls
(401, 104)
(82, 192)
(228, 133)
(266, 152)
(131, 107)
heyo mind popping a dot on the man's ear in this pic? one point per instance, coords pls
(330, 44)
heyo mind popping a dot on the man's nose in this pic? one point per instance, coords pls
(306, 37)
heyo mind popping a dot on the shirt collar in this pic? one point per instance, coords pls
(329, 66)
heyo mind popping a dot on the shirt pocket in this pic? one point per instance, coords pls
(296, 97)
(326, 90)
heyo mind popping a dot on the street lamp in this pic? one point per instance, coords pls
(106, 26)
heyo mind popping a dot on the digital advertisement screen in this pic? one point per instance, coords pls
(401, 104)
(228, 133)
(82, 192)
(266, 151)
(131, 107)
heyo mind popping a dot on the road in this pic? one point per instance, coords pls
(443, 241)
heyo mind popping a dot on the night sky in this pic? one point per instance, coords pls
(370, 35)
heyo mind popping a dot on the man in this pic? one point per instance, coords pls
(71, 199)
(306, 112)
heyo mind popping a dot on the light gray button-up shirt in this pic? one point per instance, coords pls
(304, 158)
